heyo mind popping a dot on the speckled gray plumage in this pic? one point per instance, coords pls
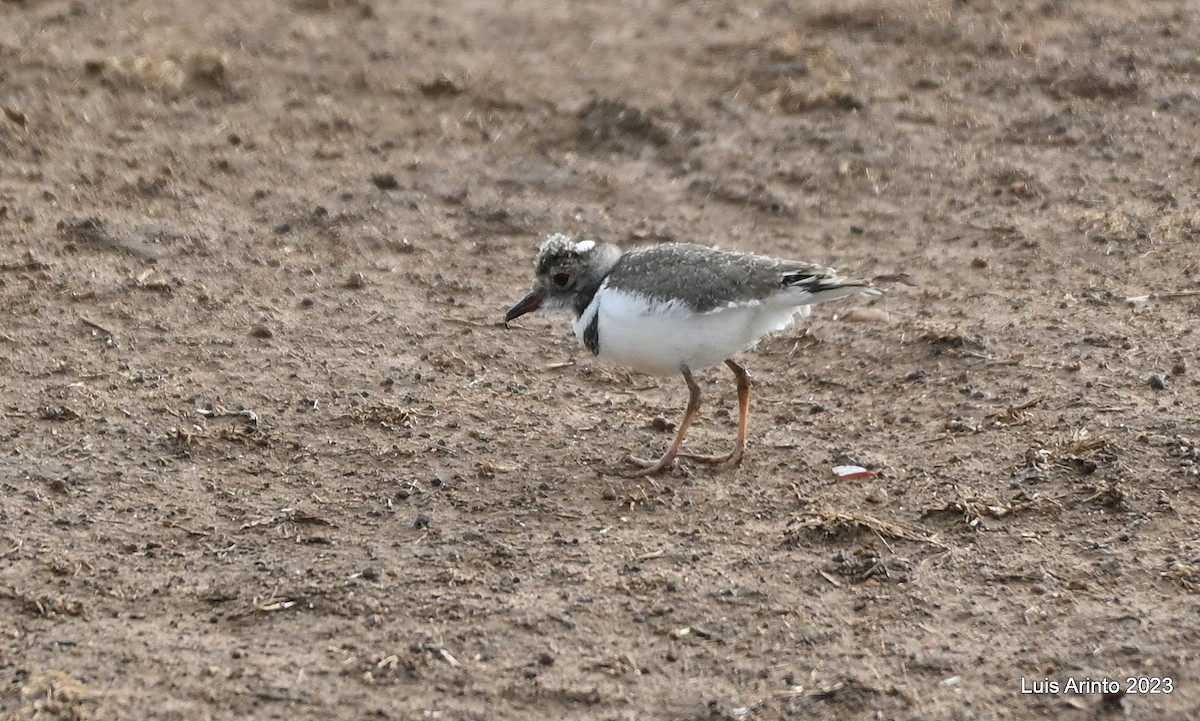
(707, 278)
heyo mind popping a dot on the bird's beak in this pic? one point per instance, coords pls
(528, 304)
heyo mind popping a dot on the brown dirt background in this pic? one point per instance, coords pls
(266, 453)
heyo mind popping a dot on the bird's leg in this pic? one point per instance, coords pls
(734, 457)
(668, 458)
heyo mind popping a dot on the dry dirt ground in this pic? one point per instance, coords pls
(265, 451)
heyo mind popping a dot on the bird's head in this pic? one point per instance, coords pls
(565, 267)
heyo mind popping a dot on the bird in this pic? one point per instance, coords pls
(677, 308)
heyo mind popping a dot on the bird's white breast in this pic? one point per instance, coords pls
(662, 337)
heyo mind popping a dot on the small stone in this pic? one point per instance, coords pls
(866, 315)
(546, 658)
(1113, 701)
(262, 331)
(1179, 368)
(857, 229)
(356, 280)
(15, 115)
(661, 424)
(421, 521)
(1158, 382)
(877, 495)
(385, 181)
(979, 263)
(1074, 136)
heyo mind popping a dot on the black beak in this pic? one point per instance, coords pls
(528, 304)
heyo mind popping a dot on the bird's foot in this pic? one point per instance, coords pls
(648, 467)
(732, 458)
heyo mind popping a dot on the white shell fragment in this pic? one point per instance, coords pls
(850, 473)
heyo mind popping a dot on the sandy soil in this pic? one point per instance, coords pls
(265, 451)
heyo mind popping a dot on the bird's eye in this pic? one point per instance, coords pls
(561, 280)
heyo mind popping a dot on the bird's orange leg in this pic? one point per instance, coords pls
(668, 459)
(734, 457)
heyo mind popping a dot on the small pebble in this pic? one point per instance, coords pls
(866, 315)
(661, 424)
(1158, 382)
(1179, 368)
(546, 658)
(1113, 702)
(385, 181)
(979, 263)
(261, 331)
(877, 495)
(356, 280)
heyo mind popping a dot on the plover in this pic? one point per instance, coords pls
(677, 308)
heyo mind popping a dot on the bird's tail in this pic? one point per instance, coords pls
(828, 285)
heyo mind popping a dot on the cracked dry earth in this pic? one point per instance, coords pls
(266, 452)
